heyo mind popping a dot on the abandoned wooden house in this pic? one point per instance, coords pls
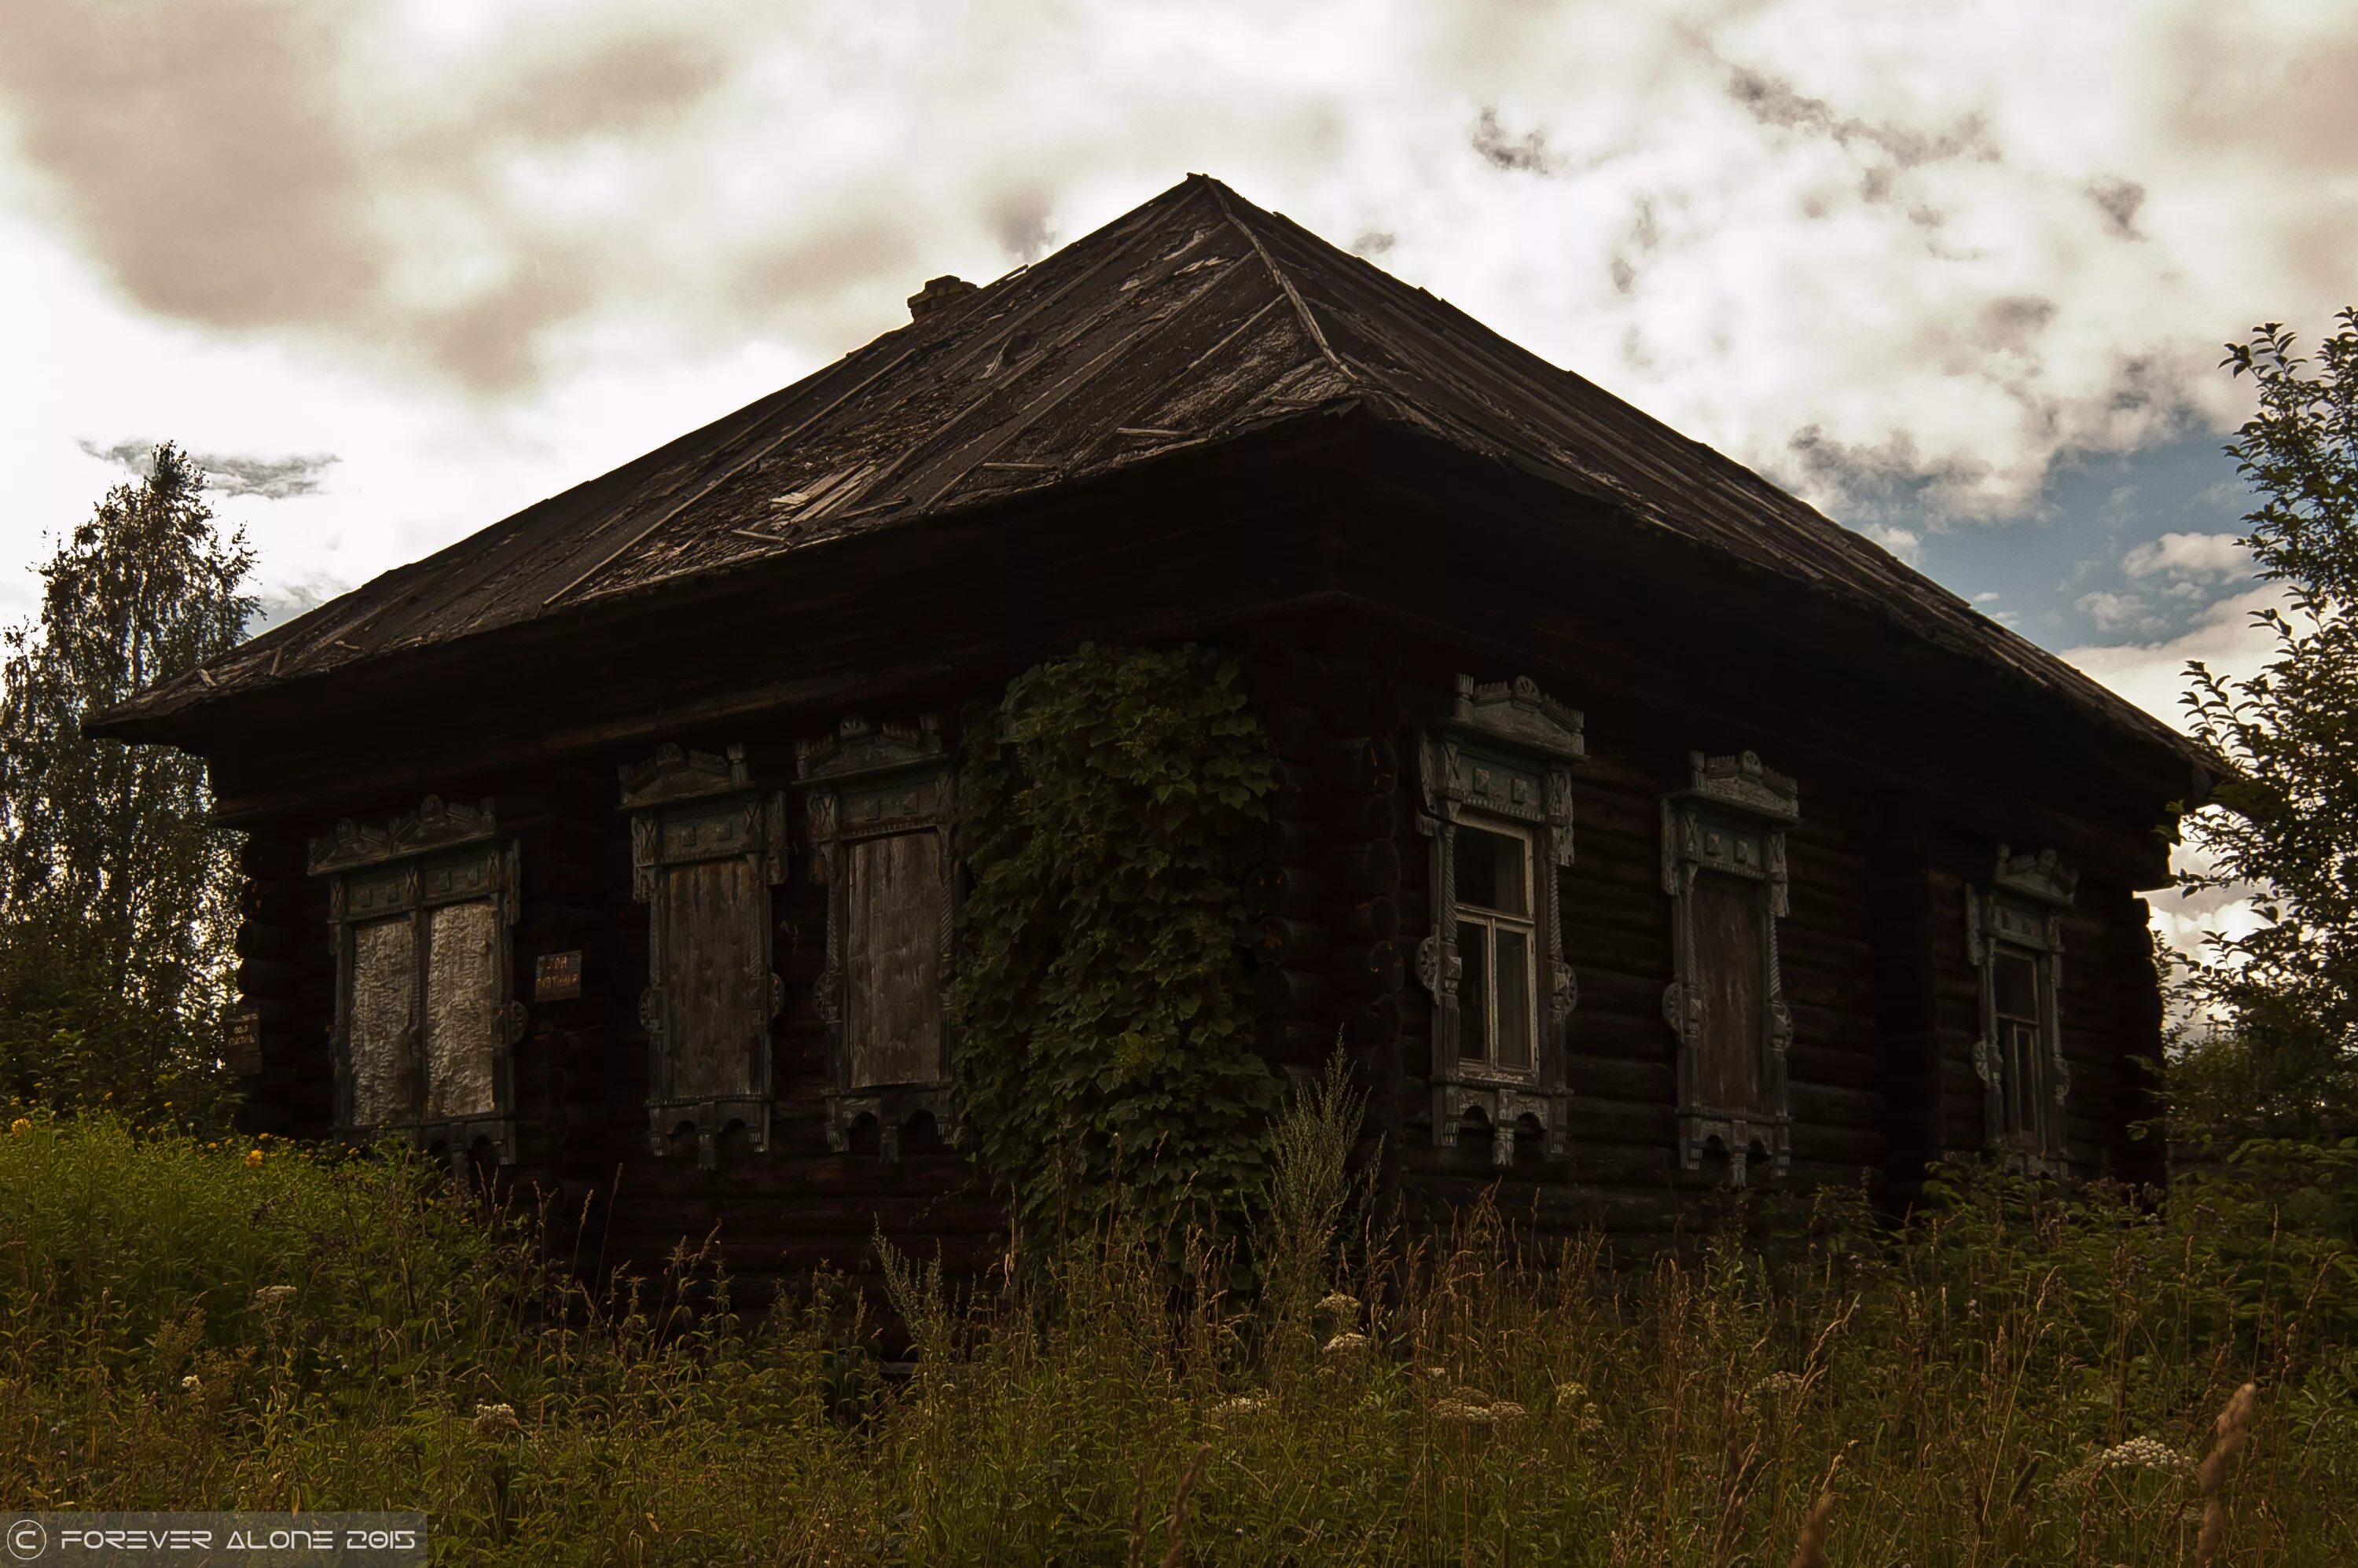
(1641, 831)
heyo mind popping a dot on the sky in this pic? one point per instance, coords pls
(1957, 272)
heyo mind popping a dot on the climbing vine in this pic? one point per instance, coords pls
(1108, 809)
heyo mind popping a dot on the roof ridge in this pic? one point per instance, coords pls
(1300, 306)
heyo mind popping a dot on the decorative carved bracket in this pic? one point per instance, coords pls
(1506, 751)
(435, 825)
(673, 774)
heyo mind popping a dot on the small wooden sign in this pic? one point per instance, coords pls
(241, 1043)
(556, 976)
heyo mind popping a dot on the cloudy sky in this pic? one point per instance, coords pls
(1958, 273)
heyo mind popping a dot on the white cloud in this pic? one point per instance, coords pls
(2189, 555)
(2118, 612)
(482, 251)
(2153, 674)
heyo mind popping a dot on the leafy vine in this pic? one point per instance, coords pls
(1106, 809)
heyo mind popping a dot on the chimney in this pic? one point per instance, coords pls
(937, 292)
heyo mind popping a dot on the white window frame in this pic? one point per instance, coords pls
(1494, 920)
(1503, 756)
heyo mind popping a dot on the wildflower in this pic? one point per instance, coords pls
(21, 1124)
(1346, 1341)
(496, 1421)
(193, 1384)
(269, 1298)
(1340, 1305)
(1776, 1386)
(2137, 1453)
(1243, 1404)
(1463, 1411)
(254, 1159)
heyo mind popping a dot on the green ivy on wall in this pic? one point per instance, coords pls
(1108, 813)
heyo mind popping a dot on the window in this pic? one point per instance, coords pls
(420, 913)
(878, 799)
(1496, 805)
(1498, 997)
(705, 849)
(2016, 941)
(1724, 866)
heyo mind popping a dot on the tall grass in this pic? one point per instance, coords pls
(2015, 1378)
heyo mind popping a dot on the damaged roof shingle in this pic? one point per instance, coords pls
(1192, 320)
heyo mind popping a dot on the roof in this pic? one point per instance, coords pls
(1191, 320)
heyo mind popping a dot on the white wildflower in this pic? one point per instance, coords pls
(1338, 1304)
(496, 1421)
(192, 1383)
(1346, 1341)
(2137, 1453)
(269, 1298)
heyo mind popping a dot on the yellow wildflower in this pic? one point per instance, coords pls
(21, 1124)
(254, 1159)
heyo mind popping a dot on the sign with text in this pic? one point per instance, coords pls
(556, 976)
(248, 1541)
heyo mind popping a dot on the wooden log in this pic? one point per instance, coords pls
(1366, 707)
(1363, 816)
(1363, 766)
(1377, 1023)
(1378, 968)
(1378, 918)
(1372, 868)
(1292, 842)
(1295, 734)
(1290, 944)
(259, 939)
(1291, 992)
(1272, 889)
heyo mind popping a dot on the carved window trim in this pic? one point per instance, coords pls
(673, 788)
(1504, 755)
(441, 854)
(2022, 908)
(876, 781)
(1731, 818)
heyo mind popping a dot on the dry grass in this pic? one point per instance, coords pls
(2013, 1380)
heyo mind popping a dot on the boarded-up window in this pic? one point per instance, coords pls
(1724, 866)
(465, 1010)
(705, 849)
(879, 798)
(891, 960)
(422, 911)
(382, 1034)
(1731, 961)
(715, 977)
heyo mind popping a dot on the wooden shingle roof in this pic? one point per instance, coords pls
(1191, 320)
